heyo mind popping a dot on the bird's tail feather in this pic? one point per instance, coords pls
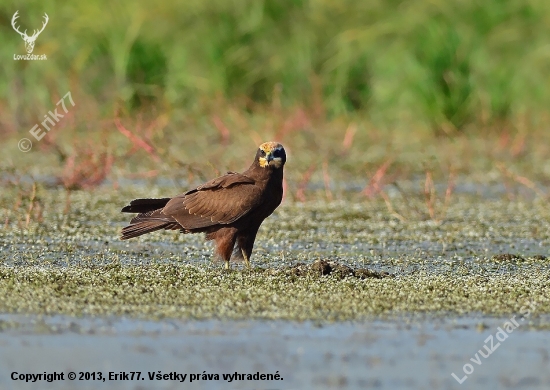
(145, 205)
(148, 222)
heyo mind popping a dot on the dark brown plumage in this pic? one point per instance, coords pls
(229, 209)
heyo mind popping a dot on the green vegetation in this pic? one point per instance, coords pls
(449, 65)
(486, 257)
(346, 86)
(156, 291)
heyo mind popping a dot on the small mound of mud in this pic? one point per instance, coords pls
(507, 257)
(325, 267)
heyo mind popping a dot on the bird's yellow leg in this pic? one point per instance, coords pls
(246, 260)
(227, 266)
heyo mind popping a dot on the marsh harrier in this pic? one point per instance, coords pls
(229, 209)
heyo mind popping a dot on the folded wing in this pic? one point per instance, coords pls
(221, 201)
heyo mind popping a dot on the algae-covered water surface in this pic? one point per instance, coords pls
(411, 279)
(487, 256)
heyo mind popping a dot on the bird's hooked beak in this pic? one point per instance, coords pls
(270, 160)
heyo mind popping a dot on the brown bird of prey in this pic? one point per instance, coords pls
(229, 209)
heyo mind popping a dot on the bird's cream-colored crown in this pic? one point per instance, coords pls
(270, 146)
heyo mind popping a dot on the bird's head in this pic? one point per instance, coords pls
(271, 155)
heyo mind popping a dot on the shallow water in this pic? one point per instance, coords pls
(376, 354)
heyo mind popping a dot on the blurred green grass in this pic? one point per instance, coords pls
(347, 84)
(448, 64)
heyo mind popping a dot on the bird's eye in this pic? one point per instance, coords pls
(262, 152)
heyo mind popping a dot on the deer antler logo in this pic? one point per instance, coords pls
(29, 41)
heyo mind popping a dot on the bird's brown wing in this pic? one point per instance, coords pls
(220, 201)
